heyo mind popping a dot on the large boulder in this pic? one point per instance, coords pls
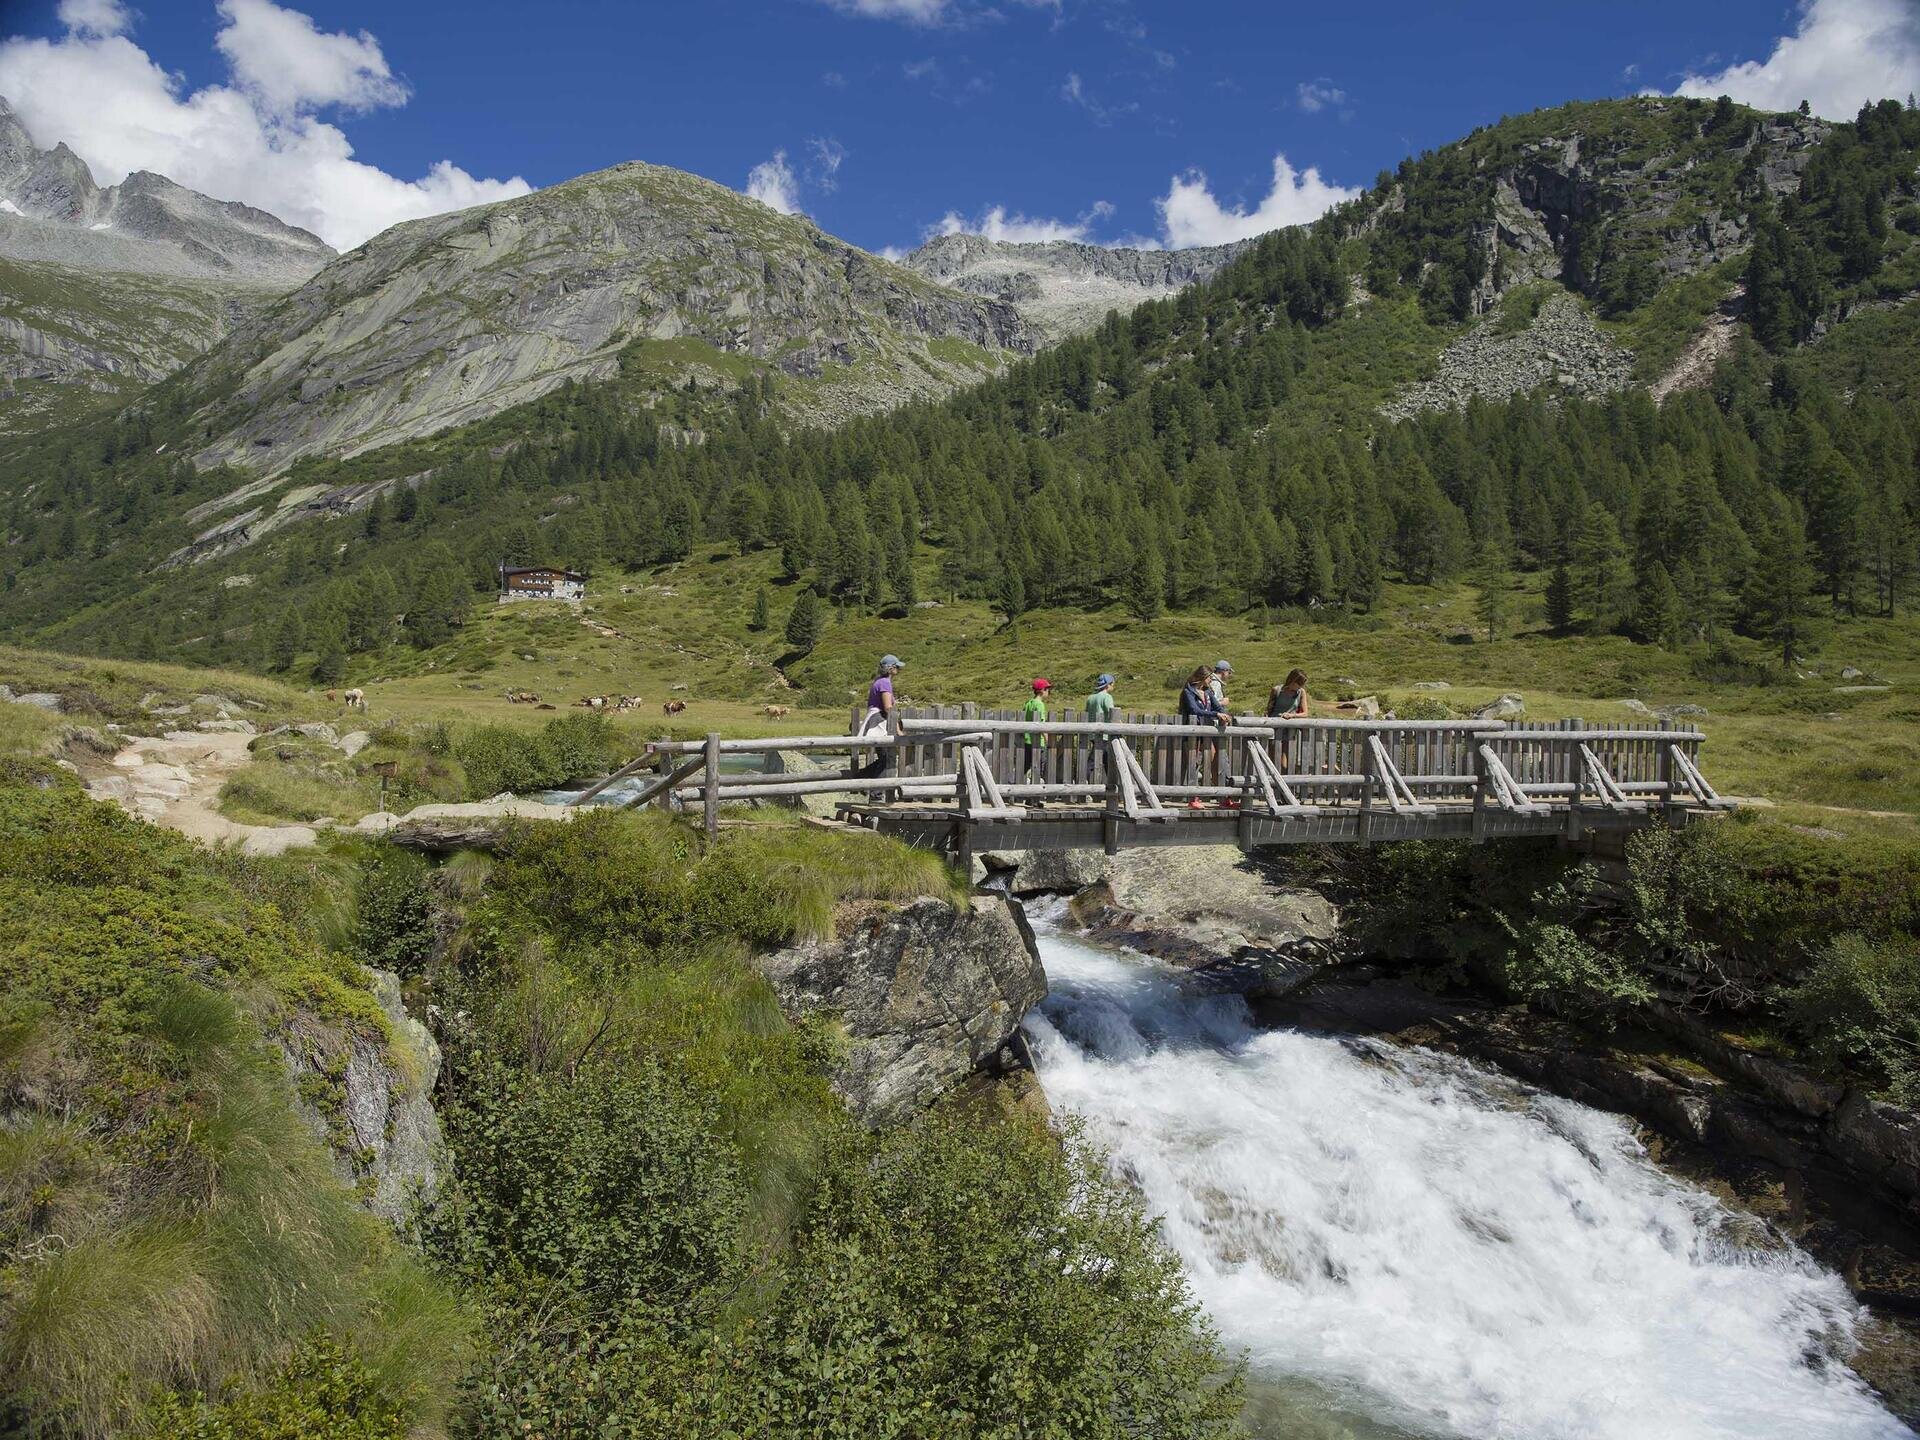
(371, 1099)
(1507, 707)
(1047, 872)
(1215, 909)
(926, 992)
(799, 764)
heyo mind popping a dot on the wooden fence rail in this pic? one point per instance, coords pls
(963, 776)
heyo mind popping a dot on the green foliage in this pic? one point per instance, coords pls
(199, 1222)
(322, 1392)
(499, 758)
(805, 622)
(395, 921)
(615, 1183)
(1860, 1006)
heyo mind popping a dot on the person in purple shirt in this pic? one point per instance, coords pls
(879, 716)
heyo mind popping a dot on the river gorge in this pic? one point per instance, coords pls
(1406, 1244)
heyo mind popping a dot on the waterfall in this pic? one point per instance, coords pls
(1407, 1244)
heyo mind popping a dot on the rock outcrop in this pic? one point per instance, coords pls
(371, 1100)
(1561, 347)
(1215, 910)
(1063, 286)
(651, 273)
(926, 993)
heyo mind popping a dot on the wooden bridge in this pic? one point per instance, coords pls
(961, 779)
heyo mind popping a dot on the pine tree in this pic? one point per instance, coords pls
(761, 619)
(1492, 600)
(1560, 599)
(1601, 577)
(1656, 608)
(1146, 585)
(1013, 595)
(1781, 600)
(805, 623)
(288, 636)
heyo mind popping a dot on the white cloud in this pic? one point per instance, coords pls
(1317, 95)
(823, 171)
(1842, 54)
(1190, 215)
(912, 12)
(286, 63)
(95, 17)
(257, 139)
(773, 184)
(995, 223)
(1075, 92)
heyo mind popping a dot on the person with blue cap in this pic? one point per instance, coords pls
(1100, 702)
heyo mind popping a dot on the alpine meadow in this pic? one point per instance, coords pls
(1285, 817)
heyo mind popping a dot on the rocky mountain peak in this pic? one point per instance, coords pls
(1065, 286)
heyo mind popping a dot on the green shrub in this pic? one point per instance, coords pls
(615, 1183)
(396, 922)
(1860, 1005)
(498, 758)
(1422, 707)
(322, 1392)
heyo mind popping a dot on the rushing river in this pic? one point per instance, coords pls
(1405, 1244)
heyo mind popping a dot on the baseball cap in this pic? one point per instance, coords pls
(1043, 684)
(892, 662)
(1223, 665)
(1103, 682)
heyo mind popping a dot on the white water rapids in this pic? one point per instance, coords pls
(1406, 1244)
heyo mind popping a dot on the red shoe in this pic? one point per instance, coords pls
(1194, 804)
(1229, 804)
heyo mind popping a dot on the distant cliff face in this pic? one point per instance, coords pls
(103, 291)
(443, 321)
(1061, 286)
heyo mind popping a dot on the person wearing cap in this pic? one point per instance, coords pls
(1030, 742)
(1100, 712)
(1100, 702)
(879, 716)
(1217, 687)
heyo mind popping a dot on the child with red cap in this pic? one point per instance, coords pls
(1035, 709)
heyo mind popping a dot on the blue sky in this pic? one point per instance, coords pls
(882, 119)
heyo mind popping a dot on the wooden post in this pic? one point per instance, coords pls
(1365, 755)
(1669, 805)
(1110, 820)
(1479, 796)
(711, 796)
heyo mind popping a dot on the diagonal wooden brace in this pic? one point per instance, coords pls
(1507, 793)
(1282, 803)
(1695, 782)
(1137, 795)
(1611, 795)
(1399, 794)
(984, 801)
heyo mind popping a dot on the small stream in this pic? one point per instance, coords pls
(1405, 1244)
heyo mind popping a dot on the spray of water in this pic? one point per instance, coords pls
(1433, 1249)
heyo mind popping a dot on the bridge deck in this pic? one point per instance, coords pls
(963, 780)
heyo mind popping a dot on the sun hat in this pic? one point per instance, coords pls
(1043, 684)
(1103, 682)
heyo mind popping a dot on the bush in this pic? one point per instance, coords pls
(1422, 707)
(395, 921)
(322, 1393)
(615, 1184)
(1860, 1005)
(498, 758)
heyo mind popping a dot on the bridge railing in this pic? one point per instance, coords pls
(981, 762)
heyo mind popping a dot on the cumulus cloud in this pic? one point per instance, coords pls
(773, 184)
(1191, 215)
(1314, 96)
(258, 139)
(95, 17)
(997, 223)
(1841, 55)
(912, 12)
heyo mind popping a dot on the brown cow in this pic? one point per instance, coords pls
(778, 712)
(673, 707)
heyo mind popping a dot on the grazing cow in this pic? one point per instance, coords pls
(333, 697)
(356, 699)
(778, 712)
(673, 707)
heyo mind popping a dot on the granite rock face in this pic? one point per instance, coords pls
(927, 994)
(1213, 909)
(640, 270)
(377, 1115)
(1062, 286)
